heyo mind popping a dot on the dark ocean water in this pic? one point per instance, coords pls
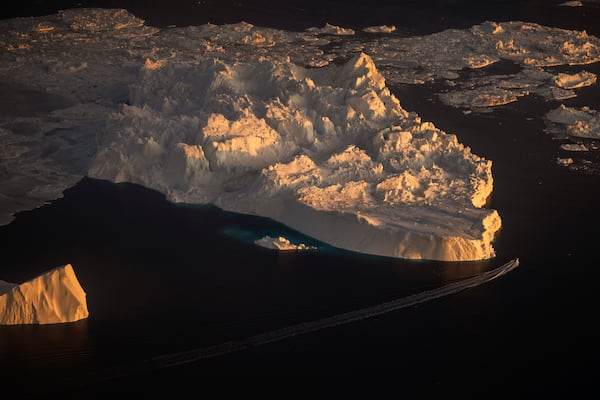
(162, 278)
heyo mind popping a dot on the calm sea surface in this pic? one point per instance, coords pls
(162, 278)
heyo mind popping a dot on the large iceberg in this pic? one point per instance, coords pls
(54, 297)
(253, 120)
(329, 152)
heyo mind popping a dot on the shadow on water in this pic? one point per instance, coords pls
(162, 277)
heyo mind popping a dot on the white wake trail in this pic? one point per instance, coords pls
(174, 359)
(190, 356)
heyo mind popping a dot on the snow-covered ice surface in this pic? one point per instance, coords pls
(273, 123)
(55, 296)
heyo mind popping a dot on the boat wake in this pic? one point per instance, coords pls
(190, 356)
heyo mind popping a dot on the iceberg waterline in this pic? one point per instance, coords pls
(262, 121)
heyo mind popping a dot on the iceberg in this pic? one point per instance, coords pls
(54, 297)
(281, 243)
(329, 152)
(253, 120)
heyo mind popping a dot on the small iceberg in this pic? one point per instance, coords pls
(53, 297)
(281, 243)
